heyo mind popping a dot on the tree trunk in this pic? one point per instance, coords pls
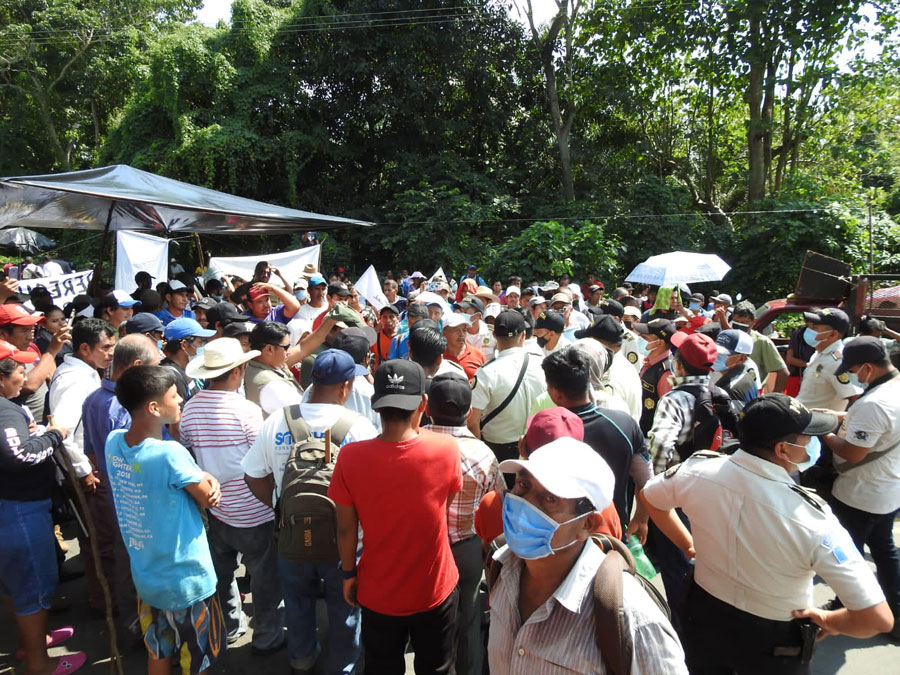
(560, 128)
(756, 180)
(59, 153)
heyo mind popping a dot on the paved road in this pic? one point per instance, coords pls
(835, 655)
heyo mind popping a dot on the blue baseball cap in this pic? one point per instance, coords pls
(317, 280)
(185, 328)
(333, 366)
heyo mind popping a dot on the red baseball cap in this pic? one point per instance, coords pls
(18, 315)
(697, 349)
(9, 352)
(257, 292)
(548, 425)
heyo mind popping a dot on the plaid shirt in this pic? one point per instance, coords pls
(673, 422)
(480, 473)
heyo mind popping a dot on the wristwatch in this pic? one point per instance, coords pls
(347, 575)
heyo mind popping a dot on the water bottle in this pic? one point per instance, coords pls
(641, 562)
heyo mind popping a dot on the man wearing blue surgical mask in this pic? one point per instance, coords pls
(542, 605)
(758, 541)
(822, 385)
(867, 459)
(773, 371)
(733, 370)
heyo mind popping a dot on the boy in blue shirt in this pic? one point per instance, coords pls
(158, 490)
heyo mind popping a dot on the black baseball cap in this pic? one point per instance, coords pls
(223, 313)
(661, 328)
(235, 328)
(771, 417)
(860, 350)
(830, 316)
(604, 328)
(206, 303)
(509, 323)
(399, 383)
(470, 302)
(613, 308)
(354, 341)
(551, 321)
(338, 288)
(449, 398)
(389, 308)
(424, 323)
(143, 322)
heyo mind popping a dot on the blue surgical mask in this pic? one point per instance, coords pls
(642, 348)
(300, 295)
(199, 352)
(529, 530)
(719, 364)
(159, 345)
(854, 380)
(694, 305)
(217, 298)
(810, 337)
(813, 451)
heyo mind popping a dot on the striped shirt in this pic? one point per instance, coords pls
(559, 636)
(673, 422)
(220, 427)
(480, 474)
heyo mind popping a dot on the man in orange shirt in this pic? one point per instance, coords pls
(458, 349)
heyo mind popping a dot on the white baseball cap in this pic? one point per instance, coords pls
(455, 319)
(493, 310)
(513, 289)
(633, 311)
(569, 469)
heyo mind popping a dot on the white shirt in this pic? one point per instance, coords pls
(578, 321)
(820, 387)
(52, 269)
(359, 400)
(219, 427)
(625, 383)
(630, 350)
(483, 340)
(559, 636)
(277, 394)
(494, 381)
(271, 449)
(72, 382)
(563, 342)
(760, 538)
(299, 326)
(873, 422)
(309, 312)
(32, 271)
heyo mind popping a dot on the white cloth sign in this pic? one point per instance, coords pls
(289, 263)
(370, 288)
(438, 273)
(138, 252)
(63, 289)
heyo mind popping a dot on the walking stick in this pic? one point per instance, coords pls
(115, 664)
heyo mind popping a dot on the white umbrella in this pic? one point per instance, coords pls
(679, 267)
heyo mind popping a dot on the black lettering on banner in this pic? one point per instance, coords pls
(67, 287)
(54, 290)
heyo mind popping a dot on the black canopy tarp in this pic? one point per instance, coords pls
(131, 199)
(25, 240)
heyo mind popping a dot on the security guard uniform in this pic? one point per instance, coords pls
(820, 387)
(759, 540)
(492, 384)
(630, 351)
(651, 379)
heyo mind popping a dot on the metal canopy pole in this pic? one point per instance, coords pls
(98, 270)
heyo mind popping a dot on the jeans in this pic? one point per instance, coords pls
(432, 633)
(258, 551)
(674, 567)
(877, 531)
(28, 573)
(302, 582)
(470, 643)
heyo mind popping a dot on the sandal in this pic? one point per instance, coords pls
(54, 638)
(70, 663)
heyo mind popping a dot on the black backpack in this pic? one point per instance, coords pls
(305, 518)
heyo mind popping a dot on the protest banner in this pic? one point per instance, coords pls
(63, 289)
(289, 263)
(138, 252)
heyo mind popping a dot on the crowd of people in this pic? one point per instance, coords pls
(453, 471)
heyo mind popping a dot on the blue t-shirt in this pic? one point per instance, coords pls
(167, 317)
(160, 522)
(275, 314)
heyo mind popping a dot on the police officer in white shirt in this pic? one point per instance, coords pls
(620, 378)
(506, 388)
(867, 459)
(822, 386)
(759, 540)
(629, 348)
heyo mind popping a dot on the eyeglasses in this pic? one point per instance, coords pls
(284, 347)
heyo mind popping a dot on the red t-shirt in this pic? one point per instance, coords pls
(470, 360)
(400, 491)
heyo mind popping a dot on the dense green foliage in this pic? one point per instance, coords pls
(623, 128)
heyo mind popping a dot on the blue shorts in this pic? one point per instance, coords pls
(28, 572)
(193, 636)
